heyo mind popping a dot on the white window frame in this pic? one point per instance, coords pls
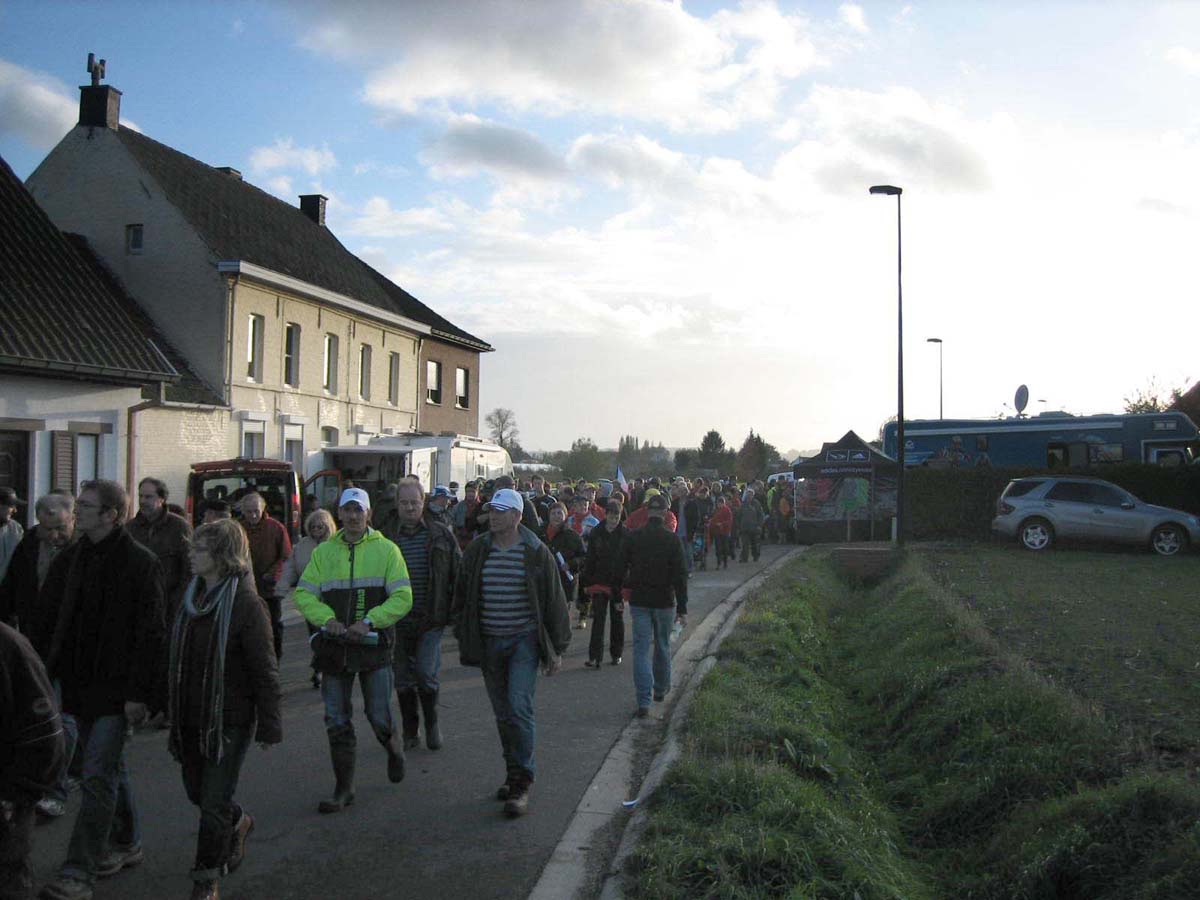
(364, 371)
(462, 398)
(291, 354)
(394, 379)
(255, 328)
(328, 431)
(257, 431)
(433, 373)
(292, 434)
(330, 372)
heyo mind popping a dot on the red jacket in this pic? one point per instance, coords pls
(640, 516)
(269, 547)
(721, 522)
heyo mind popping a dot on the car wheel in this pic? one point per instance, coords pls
(1036, 534)
(1167, 540)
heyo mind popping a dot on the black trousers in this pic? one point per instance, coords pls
(16, 845)
(211, 785)
(275, 611)
(602, 606)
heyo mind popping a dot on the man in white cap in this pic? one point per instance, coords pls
(512, 616)
(355, 589)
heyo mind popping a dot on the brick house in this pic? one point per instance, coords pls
(303, 345)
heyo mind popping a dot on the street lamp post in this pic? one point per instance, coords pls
(893, 191)
(938, 341)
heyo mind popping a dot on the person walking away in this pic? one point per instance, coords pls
(461, 515)
(439, 505)
(749, 522)
(640, 516)
(512, 616)
(166, 535)
(568, 549)
(100, 629)
(432, 557)
(720, 527)
(269, 547)
(679, 501)
(11, 531)
(651, 565)
(600, 580)
(32, 756)
(18, 607)
(223, 689)
(355, 588)
(318, 528)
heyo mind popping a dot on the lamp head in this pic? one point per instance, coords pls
(890, 190)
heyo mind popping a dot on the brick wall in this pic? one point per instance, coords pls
(446, 415)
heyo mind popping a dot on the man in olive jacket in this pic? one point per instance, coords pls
(513, 617)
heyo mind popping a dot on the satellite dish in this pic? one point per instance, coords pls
(1021, 400)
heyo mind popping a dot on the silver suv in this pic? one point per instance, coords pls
(1038, 511)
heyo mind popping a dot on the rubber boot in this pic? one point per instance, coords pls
(342, 752)
(433, 734)
(409, 718)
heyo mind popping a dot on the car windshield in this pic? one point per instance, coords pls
(232, 488)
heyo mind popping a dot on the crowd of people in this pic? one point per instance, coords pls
(110, 622)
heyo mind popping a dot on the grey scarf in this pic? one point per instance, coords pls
(217, 602)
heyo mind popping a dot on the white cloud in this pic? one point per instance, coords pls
(281, 186)
(853, 16)
(1185, 58)
(377, 219)
(34, 107)
(470, 146)
(641, 59)
(284, 154)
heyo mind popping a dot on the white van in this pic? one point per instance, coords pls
(430, 458)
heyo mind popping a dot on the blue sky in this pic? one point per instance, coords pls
(657, 212)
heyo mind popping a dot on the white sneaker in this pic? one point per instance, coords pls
(50, 808)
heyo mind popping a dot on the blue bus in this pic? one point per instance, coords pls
(1052, 440)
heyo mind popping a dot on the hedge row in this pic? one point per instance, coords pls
(960, 503)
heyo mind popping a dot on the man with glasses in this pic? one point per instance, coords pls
(100, 630)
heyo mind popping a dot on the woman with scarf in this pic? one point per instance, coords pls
(223, 679)
(318, 528)
(567, 548)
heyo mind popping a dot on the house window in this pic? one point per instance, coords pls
(394, 379)
(254, 348)
(364, 372)
(331, 363)
(329, 436)
(433, 382)
(253, 440)
(291, 355)
(462, 388)
(87, 457)
(293, 446)
(133, 239)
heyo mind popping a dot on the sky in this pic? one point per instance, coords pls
(658, 213)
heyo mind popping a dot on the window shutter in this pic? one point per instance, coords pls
(62, 461)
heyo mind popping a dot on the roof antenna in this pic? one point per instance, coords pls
(96, 70)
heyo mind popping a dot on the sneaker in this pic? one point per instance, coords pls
(237, 849)
(517, 803)
(119, 858)
(643, 712)
(592, 664)
(615, 661)
(50, 808)
(66, 887)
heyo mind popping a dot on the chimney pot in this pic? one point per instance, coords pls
(99, 106)
(313, 206)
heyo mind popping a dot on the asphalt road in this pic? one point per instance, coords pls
(440, 833)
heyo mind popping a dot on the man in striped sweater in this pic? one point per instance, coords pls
(513, 616)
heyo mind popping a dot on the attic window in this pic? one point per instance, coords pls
(133, 239)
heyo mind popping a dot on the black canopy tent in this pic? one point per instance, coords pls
(845, 492)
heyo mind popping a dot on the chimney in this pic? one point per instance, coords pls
(99, 104)
(313, 206)
(230, 171)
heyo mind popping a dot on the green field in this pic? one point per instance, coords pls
(985, 724)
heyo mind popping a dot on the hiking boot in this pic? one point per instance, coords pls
(395, 759)
(237, 848)
(433, 734)
(342, 756)
(66, 887)
(205, 890)
(505, 789)
(50, 808)
(517, 803)
(119, 858)
(410, 719)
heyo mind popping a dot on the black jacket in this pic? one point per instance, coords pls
(604, 555)
(444, 559)
(32, 751)
(19, 590)
(99, 625)
(652, 566)
(570, 545)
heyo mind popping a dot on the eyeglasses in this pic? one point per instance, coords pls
(87, 504)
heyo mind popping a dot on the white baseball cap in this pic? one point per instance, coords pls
(355, 495)
(506, 498)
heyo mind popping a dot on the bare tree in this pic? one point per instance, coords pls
(503, 425)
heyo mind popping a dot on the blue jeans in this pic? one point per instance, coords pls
(418, 658)
(338, 693)
(510, 668)
(107, 815)
(70, 739)
(651, 676)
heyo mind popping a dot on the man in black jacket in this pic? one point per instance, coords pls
(652, 567)
(431, 553)
(600, 577)
(100, 631)
(32, 757)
